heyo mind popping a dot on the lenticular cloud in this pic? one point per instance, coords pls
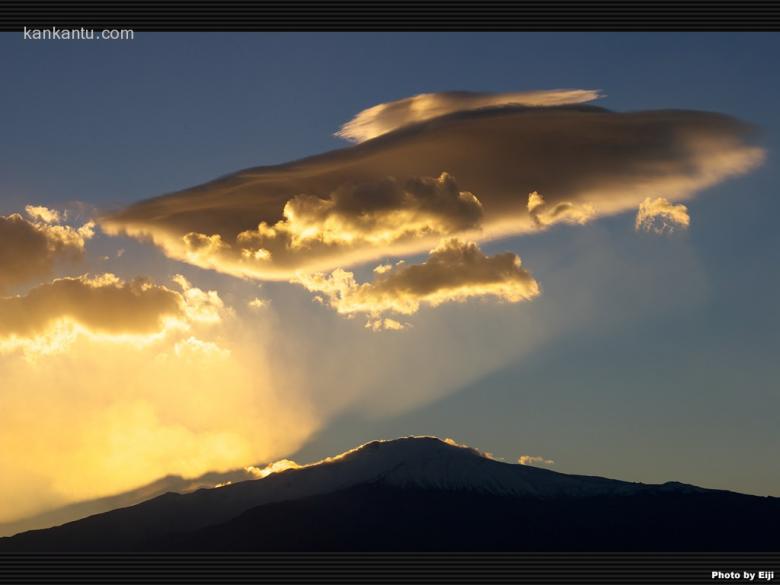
(442, 166)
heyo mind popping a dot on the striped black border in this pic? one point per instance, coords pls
(394, 15)
(444, 568)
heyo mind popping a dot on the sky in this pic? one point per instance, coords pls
(518, 269)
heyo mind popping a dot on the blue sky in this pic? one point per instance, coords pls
(674, 373)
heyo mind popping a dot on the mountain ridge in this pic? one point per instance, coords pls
(409, 467)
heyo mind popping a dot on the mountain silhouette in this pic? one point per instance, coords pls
(421, 493)
(84, 508)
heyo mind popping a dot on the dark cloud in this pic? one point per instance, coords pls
(104, 304)
(30, 247)
(379, 213)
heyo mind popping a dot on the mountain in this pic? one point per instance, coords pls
(78, 510)
(424, 494)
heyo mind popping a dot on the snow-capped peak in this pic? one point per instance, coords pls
(415, 463)
(419, 462)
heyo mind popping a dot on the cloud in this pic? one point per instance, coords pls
(199, 306)
(377, 213)
(659, 215)
(455, 271)
(384, 118)
(355, 205)
(275, 467)
(563, 212)
(353, 217)
(454, 443)
(386, 324)
(534, 460)
(44, 214)
(200, 248)
(257, 303)
(50, 315)
(29, 247)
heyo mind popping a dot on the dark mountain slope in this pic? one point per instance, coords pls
(384, 518)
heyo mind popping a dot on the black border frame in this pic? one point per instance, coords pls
(385, 568)
(394, 15)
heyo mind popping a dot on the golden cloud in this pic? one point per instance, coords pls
(44, 214)
(386, 324)
(352, 218)
(257, 303)
(379, 198)
(49, 315)
(534, 460)
(275, 467)
(384, 118)
(455, 271)
(659, 215)
(562, 212)
(29, 247)
(378, 213)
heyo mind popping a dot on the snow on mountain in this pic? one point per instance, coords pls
(421, 462)
(429, 462)
(412, 462)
